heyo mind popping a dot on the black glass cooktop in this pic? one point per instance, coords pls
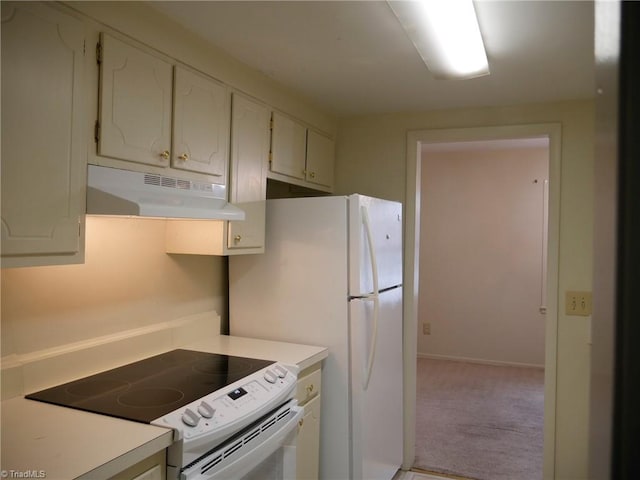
(148, 389)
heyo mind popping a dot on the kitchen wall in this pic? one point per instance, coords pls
(371, 159)
(126, 282)
(481, 253)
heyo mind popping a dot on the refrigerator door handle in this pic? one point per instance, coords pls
(375, 296)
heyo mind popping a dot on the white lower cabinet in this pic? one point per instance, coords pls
(309, 442)
(308, 447)
(43, 150)
(151, 468)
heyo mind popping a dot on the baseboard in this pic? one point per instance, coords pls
(479, 361)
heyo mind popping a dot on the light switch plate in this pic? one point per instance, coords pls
(578, 303)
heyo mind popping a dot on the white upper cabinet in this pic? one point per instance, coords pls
(320, 159)
(135, 104)
(249, 158)
(247, 190)
(288, 146)
(200, 124)
(148, 118)
(43, 161)
(299, 155)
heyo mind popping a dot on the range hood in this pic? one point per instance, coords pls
(113, 191)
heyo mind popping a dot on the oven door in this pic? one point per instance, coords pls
(266, 450)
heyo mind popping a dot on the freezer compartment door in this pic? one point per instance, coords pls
(385, 220)
(376, 412)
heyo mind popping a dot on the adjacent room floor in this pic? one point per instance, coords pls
(478, 421)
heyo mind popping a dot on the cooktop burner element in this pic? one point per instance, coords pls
(95, 386)
(150, 388)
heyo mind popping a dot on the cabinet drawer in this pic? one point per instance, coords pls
(309, 386)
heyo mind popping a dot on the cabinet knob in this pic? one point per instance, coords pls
(310, 388)
(237, 238)
(301, 422)
(165, 154)
(313, 174)
(184, 157)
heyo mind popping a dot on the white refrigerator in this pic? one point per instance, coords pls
(331, 275)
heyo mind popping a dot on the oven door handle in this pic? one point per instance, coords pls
(252, 454)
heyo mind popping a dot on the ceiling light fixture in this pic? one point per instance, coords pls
(446, 34)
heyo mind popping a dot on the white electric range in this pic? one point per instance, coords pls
(232, 417)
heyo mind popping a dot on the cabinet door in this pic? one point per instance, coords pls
(43, 170)
(320, 159)
(248, 185)
(200, 125)
(151, 468)
(288, 146)
(308, 447)
(135, 104)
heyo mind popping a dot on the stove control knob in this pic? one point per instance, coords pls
(191, 418)
(280, 370)
(270, 377)
(206, 410)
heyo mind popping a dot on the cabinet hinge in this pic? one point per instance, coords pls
(99, 53)
(84, 47)
(270, 158)
(96, 131)
(271, 123)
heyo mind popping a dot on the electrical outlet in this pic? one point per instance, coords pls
(578, 303)
(426, 328)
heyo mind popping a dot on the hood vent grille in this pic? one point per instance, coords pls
(113, 191)
(180, 183)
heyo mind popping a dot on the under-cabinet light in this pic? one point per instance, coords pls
(446, 34)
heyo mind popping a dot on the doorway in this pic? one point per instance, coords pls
(419, 140)
(482, 308)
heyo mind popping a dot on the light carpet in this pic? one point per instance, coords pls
(483, 422)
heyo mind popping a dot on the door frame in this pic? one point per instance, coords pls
(415, 140)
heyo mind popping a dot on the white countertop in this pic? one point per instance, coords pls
(65, 443)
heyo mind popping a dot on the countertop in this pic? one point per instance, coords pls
(60, 443)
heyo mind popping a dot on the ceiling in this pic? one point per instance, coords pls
(353, 57)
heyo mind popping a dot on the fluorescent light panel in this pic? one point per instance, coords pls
(446, 35)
